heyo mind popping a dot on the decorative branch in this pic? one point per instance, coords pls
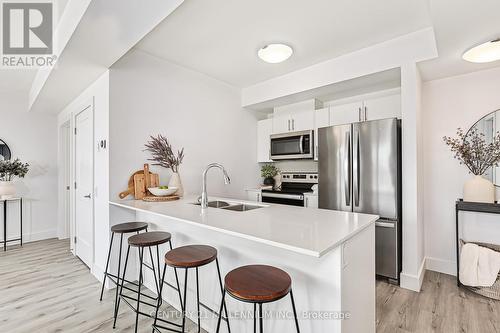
(162, 153)
(472, 150)
(10, 169)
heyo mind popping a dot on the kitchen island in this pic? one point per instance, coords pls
(330, 256)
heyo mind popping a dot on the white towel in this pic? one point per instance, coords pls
(479, 266)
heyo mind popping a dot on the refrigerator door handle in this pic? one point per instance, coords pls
(356, 170)
(347, 170)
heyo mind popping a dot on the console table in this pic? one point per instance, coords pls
(477, 207)
(5, 205)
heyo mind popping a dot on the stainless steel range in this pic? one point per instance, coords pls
(292, 189)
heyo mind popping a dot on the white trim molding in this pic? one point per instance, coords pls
(413, 282)
(440, 265)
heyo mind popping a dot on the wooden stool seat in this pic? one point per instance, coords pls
(190, 256)
(124, 228)
(146, 239)
(258, 283)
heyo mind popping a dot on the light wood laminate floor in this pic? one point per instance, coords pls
(44, 288)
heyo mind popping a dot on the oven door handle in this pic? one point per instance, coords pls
(283, 196)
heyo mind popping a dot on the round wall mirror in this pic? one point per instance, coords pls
(5, 153)
(489, 125)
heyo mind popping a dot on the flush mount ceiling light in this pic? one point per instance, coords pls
(486, 52)
(275, 53)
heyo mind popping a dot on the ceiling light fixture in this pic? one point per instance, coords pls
(275, 53)
(486, 52)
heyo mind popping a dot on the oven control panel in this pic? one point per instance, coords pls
(298, 177)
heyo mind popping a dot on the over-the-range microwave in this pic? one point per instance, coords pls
(293, 145)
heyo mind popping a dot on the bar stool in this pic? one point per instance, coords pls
(142, 241)
(122, 228)
(186, 257)
(258, 284)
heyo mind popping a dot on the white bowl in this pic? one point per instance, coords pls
(162, 192)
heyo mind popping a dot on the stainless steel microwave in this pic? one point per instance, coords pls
(293, 145)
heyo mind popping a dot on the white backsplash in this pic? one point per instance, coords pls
(298, 166)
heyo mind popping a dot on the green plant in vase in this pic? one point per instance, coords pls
(268, 172)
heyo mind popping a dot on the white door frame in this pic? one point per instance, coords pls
(65, 142)
(88, 104)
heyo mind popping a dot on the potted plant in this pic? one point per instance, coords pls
(268, 172)
(163, 155)
(472, 150)
(9, 170)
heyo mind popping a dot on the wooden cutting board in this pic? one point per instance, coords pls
(140, 187)
(139, 190)
(153, 198)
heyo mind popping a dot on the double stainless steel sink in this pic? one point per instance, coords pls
(236, 207)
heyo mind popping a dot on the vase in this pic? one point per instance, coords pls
(7, 189)
(175, 181)
(269, 181)
(479, 189)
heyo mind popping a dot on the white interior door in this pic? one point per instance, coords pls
(84, 179)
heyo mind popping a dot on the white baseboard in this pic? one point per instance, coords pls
(441, 266)
(413, 282)
(36, 236)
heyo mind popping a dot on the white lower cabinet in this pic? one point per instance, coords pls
(254, 195)
(311, 200)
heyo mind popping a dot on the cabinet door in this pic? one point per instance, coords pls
(383, 107)
(254, 195)
(302, 121)
(322, 119)
(346, 113)
(282, 123)
(264, 130)
(311, 201)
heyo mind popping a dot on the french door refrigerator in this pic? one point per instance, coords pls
(360, 171)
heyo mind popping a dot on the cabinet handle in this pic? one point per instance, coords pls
(289, 124)
(359, 114)
(293, 124)
(365, 114)
(307, 202)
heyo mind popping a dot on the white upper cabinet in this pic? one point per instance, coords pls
(295, 117)
(383, 107)
(346, 113)
(322, 119)
(264, 131)
(373, 107)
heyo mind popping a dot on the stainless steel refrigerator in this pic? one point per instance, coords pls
(360, 171)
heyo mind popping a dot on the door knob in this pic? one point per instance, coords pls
(88, 196)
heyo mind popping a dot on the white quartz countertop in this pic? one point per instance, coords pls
(312, 232)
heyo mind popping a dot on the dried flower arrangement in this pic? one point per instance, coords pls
(162, 153)
(10, 169)
(472, 150)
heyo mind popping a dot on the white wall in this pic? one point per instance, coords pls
(98, 94)
(150, 96)
(448, 104)
(32, 138)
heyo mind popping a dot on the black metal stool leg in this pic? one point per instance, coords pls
(157, 286)
(141, 258)
(177, 279)
(185, 301)
(107, 265)
(223, 300)
(198, 299)
(294, 312)
(159, 296)
(220, 310)
(254, 317)
(261, 324)
(117, 305)
(118, 272)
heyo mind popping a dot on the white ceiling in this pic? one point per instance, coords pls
(458, 25)
(220, 38)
